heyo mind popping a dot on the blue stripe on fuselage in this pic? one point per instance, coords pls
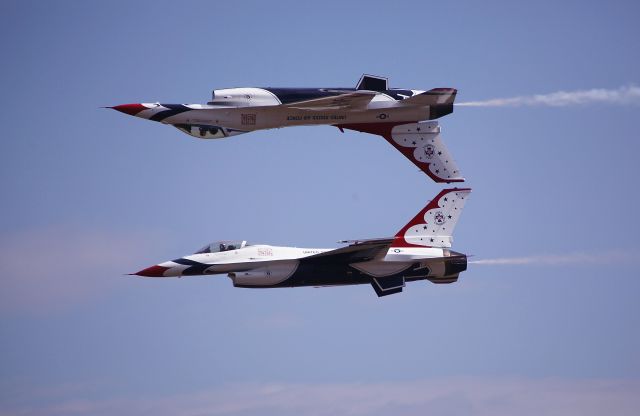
(173, 109)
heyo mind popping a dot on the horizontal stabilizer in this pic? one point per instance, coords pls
(436, 96)
(439, 100)
(387, 285)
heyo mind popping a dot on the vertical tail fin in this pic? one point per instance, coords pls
(434, 224)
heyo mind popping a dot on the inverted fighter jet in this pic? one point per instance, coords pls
(402, 117)
(419, 251)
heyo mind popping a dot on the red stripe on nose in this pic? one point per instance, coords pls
(131, 109)
(153, 271)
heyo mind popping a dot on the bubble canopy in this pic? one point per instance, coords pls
(226, 245)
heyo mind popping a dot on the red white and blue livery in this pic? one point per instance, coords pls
(421, 250)
(405, 118)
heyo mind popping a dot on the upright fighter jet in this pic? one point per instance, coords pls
(419, 251)
(401, 116)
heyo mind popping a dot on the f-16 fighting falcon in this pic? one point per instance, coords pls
(419, 251)
(401, 116)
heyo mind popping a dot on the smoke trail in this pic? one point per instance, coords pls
(621, 96)
(561, 259)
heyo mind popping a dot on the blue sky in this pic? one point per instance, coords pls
(90, 194)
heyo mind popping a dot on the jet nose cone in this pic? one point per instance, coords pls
(131, 109)
(153, 271)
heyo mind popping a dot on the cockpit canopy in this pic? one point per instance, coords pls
(219, 246)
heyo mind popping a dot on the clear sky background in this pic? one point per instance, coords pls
(89, 194)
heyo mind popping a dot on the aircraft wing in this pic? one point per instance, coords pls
(362, 250)
(357, 100)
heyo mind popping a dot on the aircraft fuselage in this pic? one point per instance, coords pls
(419, 250)
(241, 110)
(263, 266)
(405, 118)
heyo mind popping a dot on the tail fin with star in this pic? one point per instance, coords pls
(433, 226)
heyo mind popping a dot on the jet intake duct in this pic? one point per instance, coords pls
(203, 131)
(264, 276)
(250, 275)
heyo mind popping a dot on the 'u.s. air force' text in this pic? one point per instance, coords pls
(317, 117)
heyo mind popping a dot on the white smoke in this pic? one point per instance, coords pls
(561, 259)
(620, 96)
